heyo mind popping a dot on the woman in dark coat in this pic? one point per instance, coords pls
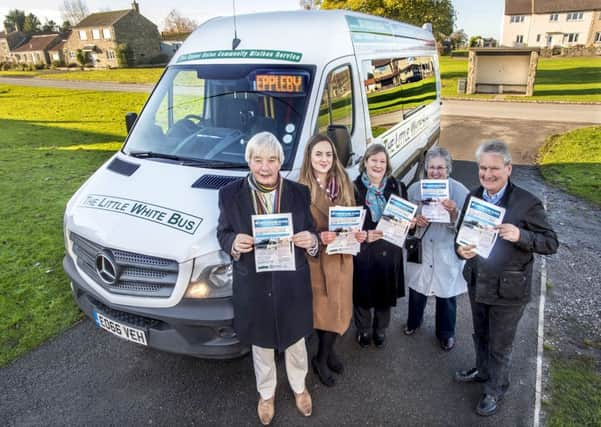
(273, 310)
(378, 274)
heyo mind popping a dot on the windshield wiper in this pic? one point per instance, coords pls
(153, 155)
(214, 164)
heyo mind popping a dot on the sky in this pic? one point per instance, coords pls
(475, 17)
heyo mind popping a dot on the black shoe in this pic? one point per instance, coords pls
(409, 331)
(364, 339)
(487, 405)
(324, 374)
(447, 344)
(379, 339)
(335, 364)
(469, 376)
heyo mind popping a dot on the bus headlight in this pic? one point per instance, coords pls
(211, 276)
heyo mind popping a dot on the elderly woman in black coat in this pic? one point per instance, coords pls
(273, 310)
(378, 274)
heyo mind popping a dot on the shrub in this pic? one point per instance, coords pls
(460, 54)
(125, 55)
(83, 57)
(57, 63)
(72, 65)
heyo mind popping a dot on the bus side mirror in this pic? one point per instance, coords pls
(130, 119)
(341, 137)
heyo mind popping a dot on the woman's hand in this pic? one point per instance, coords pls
(361, 236)
(421, 221)
(466, 251)
(243, 243)
(451, 207)
(304, 240)
(373, 235)
(327, 237)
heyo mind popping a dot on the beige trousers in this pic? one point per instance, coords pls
(297, 367)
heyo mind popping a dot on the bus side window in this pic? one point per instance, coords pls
(396, 88)
(336, 106)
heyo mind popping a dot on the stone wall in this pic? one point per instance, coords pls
(141, 35)
(548, 52)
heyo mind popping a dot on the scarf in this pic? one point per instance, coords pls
(374, 199)
(263, 200)
(332, 188)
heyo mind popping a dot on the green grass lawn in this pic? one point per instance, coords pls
(117, 75)
(19, 73)
(575, 394)
(557, 79)
(52, 140)
(572, 161)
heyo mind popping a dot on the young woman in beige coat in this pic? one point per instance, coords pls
(331, 275)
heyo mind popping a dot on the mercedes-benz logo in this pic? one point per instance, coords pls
(106, 267)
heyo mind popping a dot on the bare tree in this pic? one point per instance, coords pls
(176, 23)
(74, 11)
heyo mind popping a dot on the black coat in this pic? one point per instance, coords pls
(271, 309)
(505, 277)
(378, 278)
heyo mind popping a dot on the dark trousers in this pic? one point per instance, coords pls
(494, 331)
(446, 314)
(364, 322)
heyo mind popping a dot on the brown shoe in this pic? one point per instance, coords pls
(266, 410)
(304, 403)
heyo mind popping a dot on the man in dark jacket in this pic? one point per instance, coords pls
(499, 286)
(273, 310)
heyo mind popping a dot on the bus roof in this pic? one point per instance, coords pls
(308, 37)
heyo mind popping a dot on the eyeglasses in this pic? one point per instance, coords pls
(437, 168)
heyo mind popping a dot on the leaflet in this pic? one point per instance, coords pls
(274, 250)
(345, 221)
(477, 227)
(396, 219)
(433, 192)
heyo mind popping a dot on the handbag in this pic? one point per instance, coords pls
(413, 246)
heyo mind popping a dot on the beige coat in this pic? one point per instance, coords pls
(331, 279)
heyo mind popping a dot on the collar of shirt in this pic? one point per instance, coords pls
(495, 198)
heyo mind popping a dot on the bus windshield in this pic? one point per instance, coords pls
(205, 114)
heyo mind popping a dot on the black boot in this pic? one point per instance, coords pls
(334, 362)
(320, 361)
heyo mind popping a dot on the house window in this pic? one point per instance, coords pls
(95, 33)
(72, 54)
(570, 37)
(575, 16)
(516, 19)
(519, 39)
(598, 37)
(538, 38)
(106, 33)
(83, 35)
(110, 54)
(554, 17)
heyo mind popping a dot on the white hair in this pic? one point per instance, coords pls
(494, 146)
(439, 152)
(264, 142)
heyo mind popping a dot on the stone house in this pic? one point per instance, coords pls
(550, 23)
(35, 50)
(10, 41)
(101, 33)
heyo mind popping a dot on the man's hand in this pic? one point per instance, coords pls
(509, 232)
(304, 240)
(243, 243)
(466, 251)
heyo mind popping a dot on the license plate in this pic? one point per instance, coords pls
(116, 328)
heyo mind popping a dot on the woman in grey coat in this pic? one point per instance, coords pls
(439, 273)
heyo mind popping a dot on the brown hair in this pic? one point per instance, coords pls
(372, 150)
(346, 196)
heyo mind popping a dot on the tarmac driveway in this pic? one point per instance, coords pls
(88, 377)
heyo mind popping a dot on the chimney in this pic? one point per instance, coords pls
(135, 6)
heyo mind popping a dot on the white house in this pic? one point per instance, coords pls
(548, 23)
